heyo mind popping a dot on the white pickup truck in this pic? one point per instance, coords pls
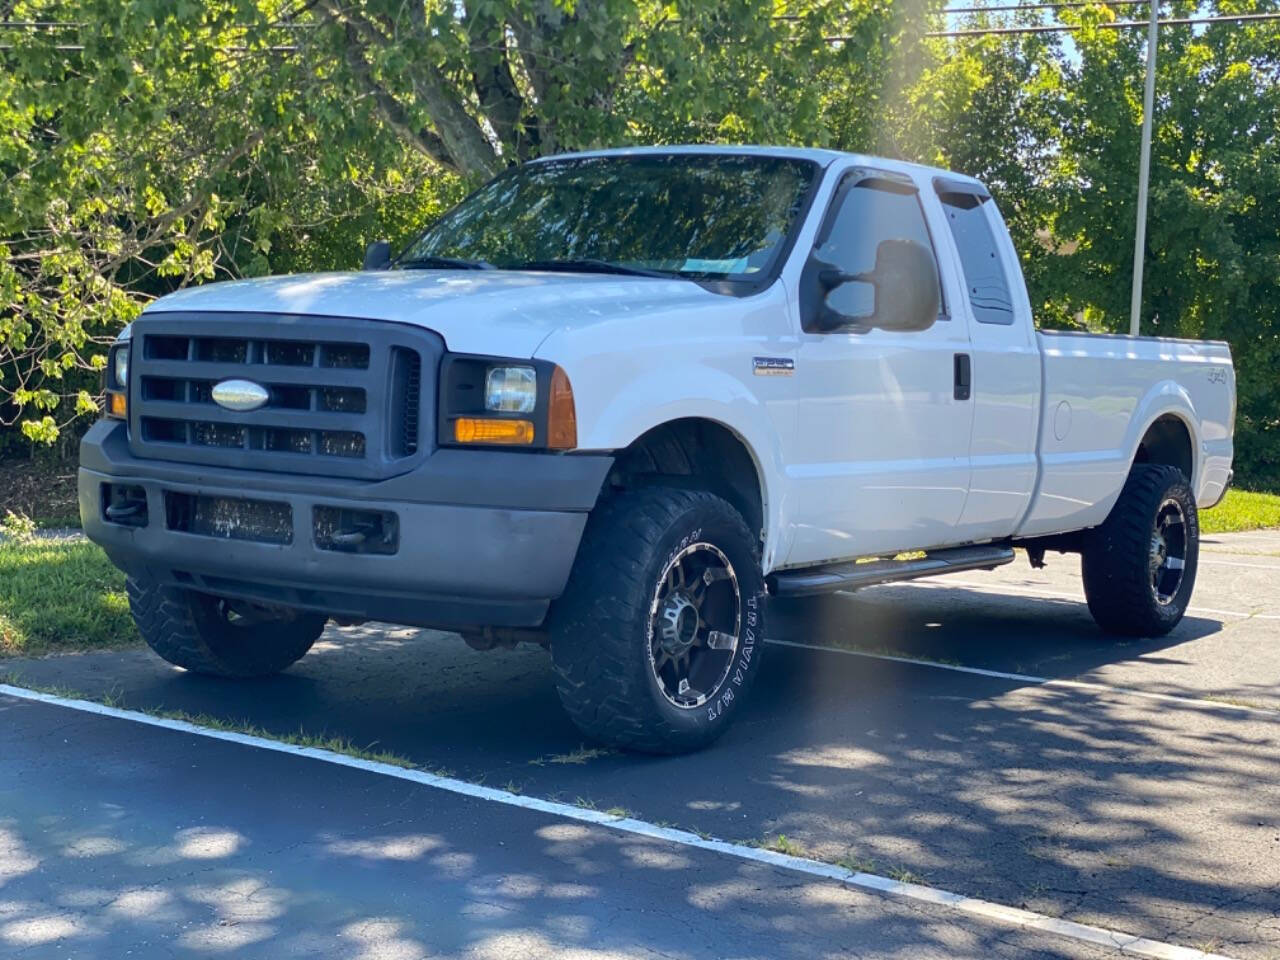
(612, 400)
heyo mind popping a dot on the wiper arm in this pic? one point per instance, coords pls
(594, 266)
(445, 263)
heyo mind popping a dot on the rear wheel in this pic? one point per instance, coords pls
(217, 636)
(1139, 567)
(657, 638)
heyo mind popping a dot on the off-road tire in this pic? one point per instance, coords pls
(1117, 557)
(184, 628)
(602, 628)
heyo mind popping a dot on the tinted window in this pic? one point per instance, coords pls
(984, 274)
(869, 214)
(713, 216)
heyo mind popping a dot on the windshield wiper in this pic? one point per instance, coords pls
(445, 263)
(595, 266)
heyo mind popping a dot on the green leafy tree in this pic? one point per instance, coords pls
(148, 145)
(1213, 229)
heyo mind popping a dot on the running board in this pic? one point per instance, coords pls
(851, 576)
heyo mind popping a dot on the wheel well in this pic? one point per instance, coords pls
(1168, 442)
(694, 453)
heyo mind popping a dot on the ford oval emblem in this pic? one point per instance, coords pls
(240, 395)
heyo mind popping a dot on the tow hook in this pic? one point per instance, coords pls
(125, 505)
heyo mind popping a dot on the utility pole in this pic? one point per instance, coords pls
(1144, 169)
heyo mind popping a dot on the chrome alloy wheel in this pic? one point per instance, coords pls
(694, 625)
(1167, 559)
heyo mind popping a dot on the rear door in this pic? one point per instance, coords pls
(881, 458)
(1006, 361)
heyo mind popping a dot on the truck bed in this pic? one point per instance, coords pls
(1100, 395)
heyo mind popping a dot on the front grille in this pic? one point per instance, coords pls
(344, 397)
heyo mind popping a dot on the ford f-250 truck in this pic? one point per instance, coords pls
(611, 400)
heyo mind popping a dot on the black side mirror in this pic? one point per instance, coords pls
(907, 295)
(377, 255)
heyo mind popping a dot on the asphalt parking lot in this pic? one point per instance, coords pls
(973, 734)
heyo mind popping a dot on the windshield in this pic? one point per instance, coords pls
(702, 216)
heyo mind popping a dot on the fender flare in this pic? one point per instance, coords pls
(633, 411)
(1164, 399)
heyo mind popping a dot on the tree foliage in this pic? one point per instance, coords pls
(147, 144)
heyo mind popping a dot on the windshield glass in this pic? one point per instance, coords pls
(702, 216)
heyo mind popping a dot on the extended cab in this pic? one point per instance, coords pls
(612, 400)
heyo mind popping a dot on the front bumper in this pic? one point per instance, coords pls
(485, 538)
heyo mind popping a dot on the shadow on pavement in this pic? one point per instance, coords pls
(145, 843)
(1154, 817)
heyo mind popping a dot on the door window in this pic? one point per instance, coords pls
(984, 275)
(868, 214)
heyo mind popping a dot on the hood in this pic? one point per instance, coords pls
(497, 312)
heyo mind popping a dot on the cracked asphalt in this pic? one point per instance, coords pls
(1097, 803)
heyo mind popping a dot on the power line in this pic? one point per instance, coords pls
(1073, 27)
(954, 11)
(1013, 8)
(845, 38)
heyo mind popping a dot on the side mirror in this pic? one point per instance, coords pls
(377, 255)
(905, 281)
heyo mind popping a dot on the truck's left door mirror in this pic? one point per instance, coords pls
(900, 293)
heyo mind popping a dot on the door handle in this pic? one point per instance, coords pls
(964, 376)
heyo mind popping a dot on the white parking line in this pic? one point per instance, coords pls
(1010, 916)
(1006, 588)
(1037, 681)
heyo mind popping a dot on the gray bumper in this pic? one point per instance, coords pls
(486, 538)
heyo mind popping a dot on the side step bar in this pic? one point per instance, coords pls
(851, 576)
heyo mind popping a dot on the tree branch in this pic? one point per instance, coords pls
(463, 139)
(495, 87)
(391, 111)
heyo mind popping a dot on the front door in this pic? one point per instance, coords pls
(881, 458)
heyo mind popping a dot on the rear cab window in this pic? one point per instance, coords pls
(985, 280)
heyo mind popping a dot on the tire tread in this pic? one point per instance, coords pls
(167, 622)
(1113, 560)
(595, 621)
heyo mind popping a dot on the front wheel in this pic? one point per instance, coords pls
(216, 636)
(1139, 567)
(658, 635)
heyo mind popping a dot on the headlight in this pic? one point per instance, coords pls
(117, 381)
(120, 367)
(510, 390)
(495, 401)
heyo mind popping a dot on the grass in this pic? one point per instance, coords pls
(1242, 510)
(573, 757)
(58, 596)
(781, 844)
(299, 739)
(785, 845)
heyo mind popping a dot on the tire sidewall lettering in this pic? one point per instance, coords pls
(719, 708)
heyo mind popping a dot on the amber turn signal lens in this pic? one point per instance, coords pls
(485, 430)
(562, 418)
(117, 405)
